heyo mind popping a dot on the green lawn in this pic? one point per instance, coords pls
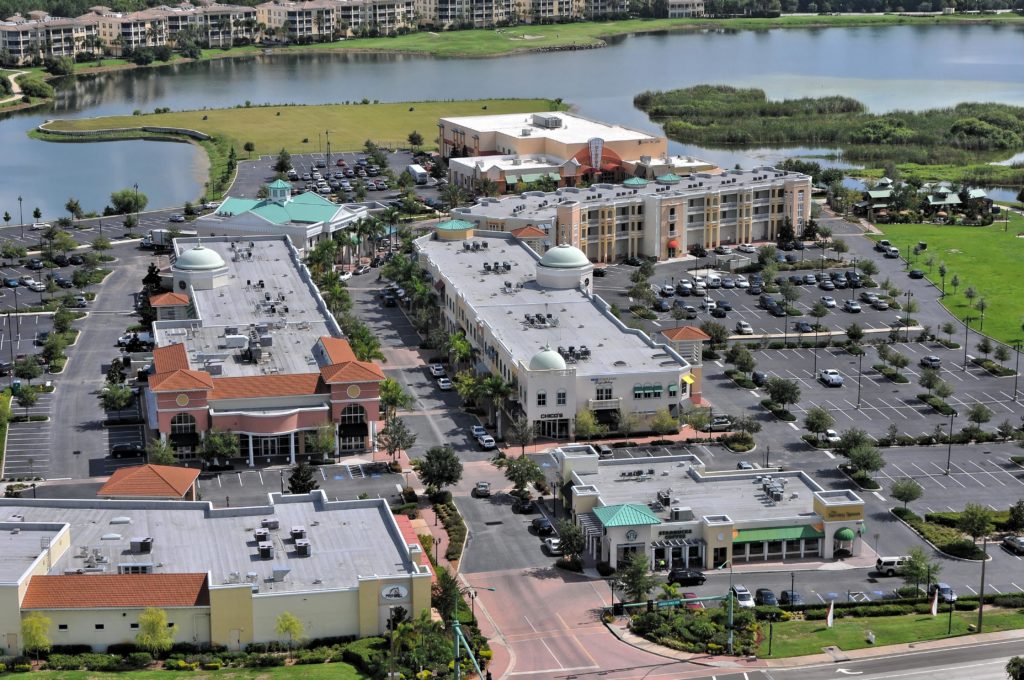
(798, 638)
(985, 258)
(272, 127)
(332, 671)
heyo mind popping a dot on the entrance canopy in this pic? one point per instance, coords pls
(777, 534)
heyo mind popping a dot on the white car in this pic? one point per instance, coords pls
(699, 280)
(743, 328)
(37, 287)
(444, 384)
(741, 281)
(486, 442)
(708, 304)
(828, 301)
(39, 226)
(437, 370)
(830, 377)
(832, 437)
(553, 546)
(746, 248)
(743, 597)
(344, 276)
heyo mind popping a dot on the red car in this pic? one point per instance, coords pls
(692, 605)
(341, 163)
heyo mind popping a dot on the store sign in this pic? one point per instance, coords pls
(392, 593)
(675, 533)
(631, 535)
(602, 381)
(551, 416)
(842, 514)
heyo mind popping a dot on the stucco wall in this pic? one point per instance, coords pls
(192, 625)
(322, 613)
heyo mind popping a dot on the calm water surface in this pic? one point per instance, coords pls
(896, 67)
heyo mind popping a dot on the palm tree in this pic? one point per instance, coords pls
(452, 195)
(468, 386)
(74, 208)
(496, 390)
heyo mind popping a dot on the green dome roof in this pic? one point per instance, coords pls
(844, 534)
(670, 178)
(199, 259)
(564, 256)
(547, 360)
(454, 225)
(635, 182)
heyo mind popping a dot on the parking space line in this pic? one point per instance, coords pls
(240, 482)
(840, 410)
(902, 471)
(987, 472)
(964, 470)
(879, 496)
(995, 589)
(260, 473)
(993, 400)
(1017, 586)
(973, 591)
(932, 477)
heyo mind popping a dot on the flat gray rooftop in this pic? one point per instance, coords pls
(576, 320)
(696, 184)
(19, 550)
(738, 495)
(348, 538)
(286, 303)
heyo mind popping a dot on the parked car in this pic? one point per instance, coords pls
(553, 546)
(746, 248)
(599, 273)
(744, 328)
(882, 245)
(176, 218)
(832, 437)
(60, 260)
(830, 377)
(719, 313)
(686, 577)
(39, 226)
(35, 264)
(828, 301)
(444, 384)
(744, 465)
(743, 597)
(931, 362)
(759, 378)
(723, 250)
(437, 370)
(477, 431)
(662, 305)
(482, 489)
(127, 450)
(851, 306)
(891, 252)
(720, 424)
(765, 597)
(890, 566)
(344, 276)
(1014, 544)
(362, 269)
(916, 274)
(486, 442)
(523, 506)
(692, 605)
(80, 301)
(11, 283)
(543, 526)
(689, 312)
(790, 598)
(827, 284)
(741, 281)
(803, 327)
(946, 593)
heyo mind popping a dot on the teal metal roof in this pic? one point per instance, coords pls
(635, 182)
(670, 178)
(977, 193)
(279, 184)
(454, 225)
(306, 208)
(627, 515)
(880, 193)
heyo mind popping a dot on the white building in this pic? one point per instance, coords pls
(536, 322)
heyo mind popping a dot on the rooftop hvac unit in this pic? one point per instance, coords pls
(142, 544)
(303, 548)
(298, 532)
(681, 514)
(266, 550)
(235, 341)
(269, 523)
(235, 577)
(527, 132)
(261, 535)
(545, 120)
(267, 340)
(280, 571)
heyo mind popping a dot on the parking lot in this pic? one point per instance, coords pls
(18, 334)
(28, 443)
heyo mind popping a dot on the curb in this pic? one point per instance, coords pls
(988, 558)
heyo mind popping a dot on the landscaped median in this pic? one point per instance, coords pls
(946, 539)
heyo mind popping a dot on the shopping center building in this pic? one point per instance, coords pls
(258, 354)
(222, 575)
(680, 515)
(535, 321)
(563, 149)
(662, 218)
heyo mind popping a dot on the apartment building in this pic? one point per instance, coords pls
(524, 313)
(661, 218)
(597, 9)
(681, 9)
(256, 353)
(123, 33)
(43, 36)
(381, 16)
(300, 21)
(222, 575)
(224, 25)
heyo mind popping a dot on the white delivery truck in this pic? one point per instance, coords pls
(418, 173)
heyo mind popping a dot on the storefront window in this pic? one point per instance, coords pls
(542, 398)
(673, 390)
(774, 548)
(560, 398)
(638, 391)
(793, 548)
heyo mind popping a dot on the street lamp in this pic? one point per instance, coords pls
(949, 442)
(1016, 371)
(910, 294)
(860, 362)
(136, 185)
(981, 593)
(21, 218)
(967, 330)
(792, 588)
(729, 595)
(437, 543)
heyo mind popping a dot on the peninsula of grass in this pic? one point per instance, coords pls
(982, 258)
(295, 128)
(799, 638)
(965, 136)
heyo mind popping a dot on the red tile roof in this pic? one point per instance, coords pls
(685, 333)
(247, 387)
(352, 371)
(179, 380)
(529, 231)
(153, 481)
(94, 591)
(169, 300)
(170, 358)
(337, 350)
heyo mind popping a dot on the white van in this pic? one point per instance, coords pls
(418, 174)
(714, 281)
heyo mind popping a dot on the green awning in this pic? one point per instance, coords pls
(777, 534)
(511, 179)
(535, 177)
(844, 534)
(554, 175)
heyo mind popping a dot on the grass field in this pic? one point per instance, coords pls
(985, 258)
(271, 128)
(798, 638)
(495, 42)
(333, 671)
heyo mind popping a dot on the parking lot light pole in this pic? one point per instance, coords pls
(860, 362)
(910, 294)
(1016, 371)
(949, 442)
(967, 330)
(21, 218)
(720, 567)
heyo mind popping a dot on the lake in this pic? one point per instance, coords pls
(905, 67)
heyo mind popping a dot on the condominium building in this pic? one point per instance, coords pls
(680, 9)
(302, 21)
(223, 576)
(45, 37)
(257, 353)
(379, 16)
(661, 218)
(124, 33)
(597, 9)
(534, 320)
(680, 515)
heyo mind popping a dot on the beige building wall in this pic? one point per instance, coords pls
(231, 622)
(717, 535)
(323, 613)
(103, 627)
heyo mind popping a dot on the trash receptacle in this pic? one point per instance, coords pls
(15, 386)
(618, 609)
(921, 245)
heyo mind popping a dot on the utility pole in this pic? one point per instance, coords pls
(981, 593)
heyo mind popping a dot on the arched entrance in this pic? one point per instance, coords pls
(183, 437)
(842, 542)
(353, 429)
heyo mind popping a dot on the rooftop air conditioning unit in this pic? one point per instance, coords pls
(266, 550)
(303, 547)
(681, 514)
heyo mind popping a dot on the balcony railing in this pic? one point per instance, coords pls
(604, 404)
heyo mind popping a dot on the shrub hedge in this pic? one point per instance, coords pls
(947, 539)
(456, 528)
(1000, 519)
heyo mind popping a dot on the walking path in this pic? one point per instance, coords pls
(15, 87)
